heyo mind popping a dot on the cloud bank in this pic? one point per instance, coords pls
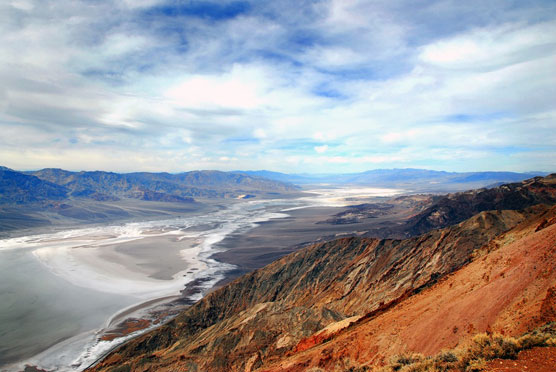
(295, 86)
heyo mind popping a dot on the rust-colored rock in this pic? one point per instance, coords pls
(548, 306)
(425, 323)
(539, 359)
(127, 327)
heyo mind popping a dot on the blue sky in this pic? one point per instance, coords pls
(292, 86)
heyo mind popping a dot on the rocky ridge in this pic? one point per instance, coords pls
(160, 186)
(16, 187)
(55, 197)
(509, 291)
(454, 208)
(58, 184)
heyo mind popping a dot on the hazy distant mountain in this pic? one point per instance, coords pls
(409, 179)
(58, 184)
(284, 177)
(57, 196)
(17, 187)
(161, 186)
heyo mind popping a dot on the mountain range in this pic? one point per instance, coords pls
(58, 197)
(56, 184)
(352, 304)
(47, 197)
(407, 179)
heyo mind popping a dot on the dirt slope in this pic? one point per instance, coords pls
(540, 359)
(509, 290)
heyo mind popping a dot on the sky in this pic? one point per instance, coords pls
(293, 86)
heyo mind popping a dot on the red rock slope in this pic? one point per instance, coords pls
(510, 290)
(540, 359)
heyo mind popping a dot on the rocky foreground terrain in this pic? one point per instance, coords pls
(354, 303)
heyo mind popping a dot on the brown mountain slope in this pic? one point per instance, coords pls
(509, 290)
(262, 317)
(454, 208)
(540, 359)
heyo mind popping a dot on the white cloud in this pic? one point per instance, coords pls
(452, 52)
(121, 44)
(259, 133)
(492, 47)
(321, 149)
(335, 57)
(142, 3)
(351, 83)
(240, 88)
(22, 4)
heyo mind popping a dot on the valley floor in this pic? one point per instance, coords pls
(140, 267)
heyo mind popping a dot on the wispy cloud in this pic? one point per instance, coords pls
(285, 85)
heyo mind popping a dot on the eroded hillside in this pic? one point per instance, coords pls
(454, 208)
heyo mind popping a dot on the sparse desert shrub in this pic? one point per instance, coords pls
(408, 358)
(428, 364)
(472, 358)
(532, 340)
(476, 365)
(358, 369)
(399, 361)
(446, 356)
(488, 347)
(420, 366)
(543, 336)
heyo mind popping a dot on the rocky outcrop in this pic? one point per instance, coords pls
(457, 207)
(548, 306)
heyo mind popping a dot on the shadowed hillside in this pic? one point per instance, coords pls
(455, 208)
(56, 196)
(204, 184)
(20, 188)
